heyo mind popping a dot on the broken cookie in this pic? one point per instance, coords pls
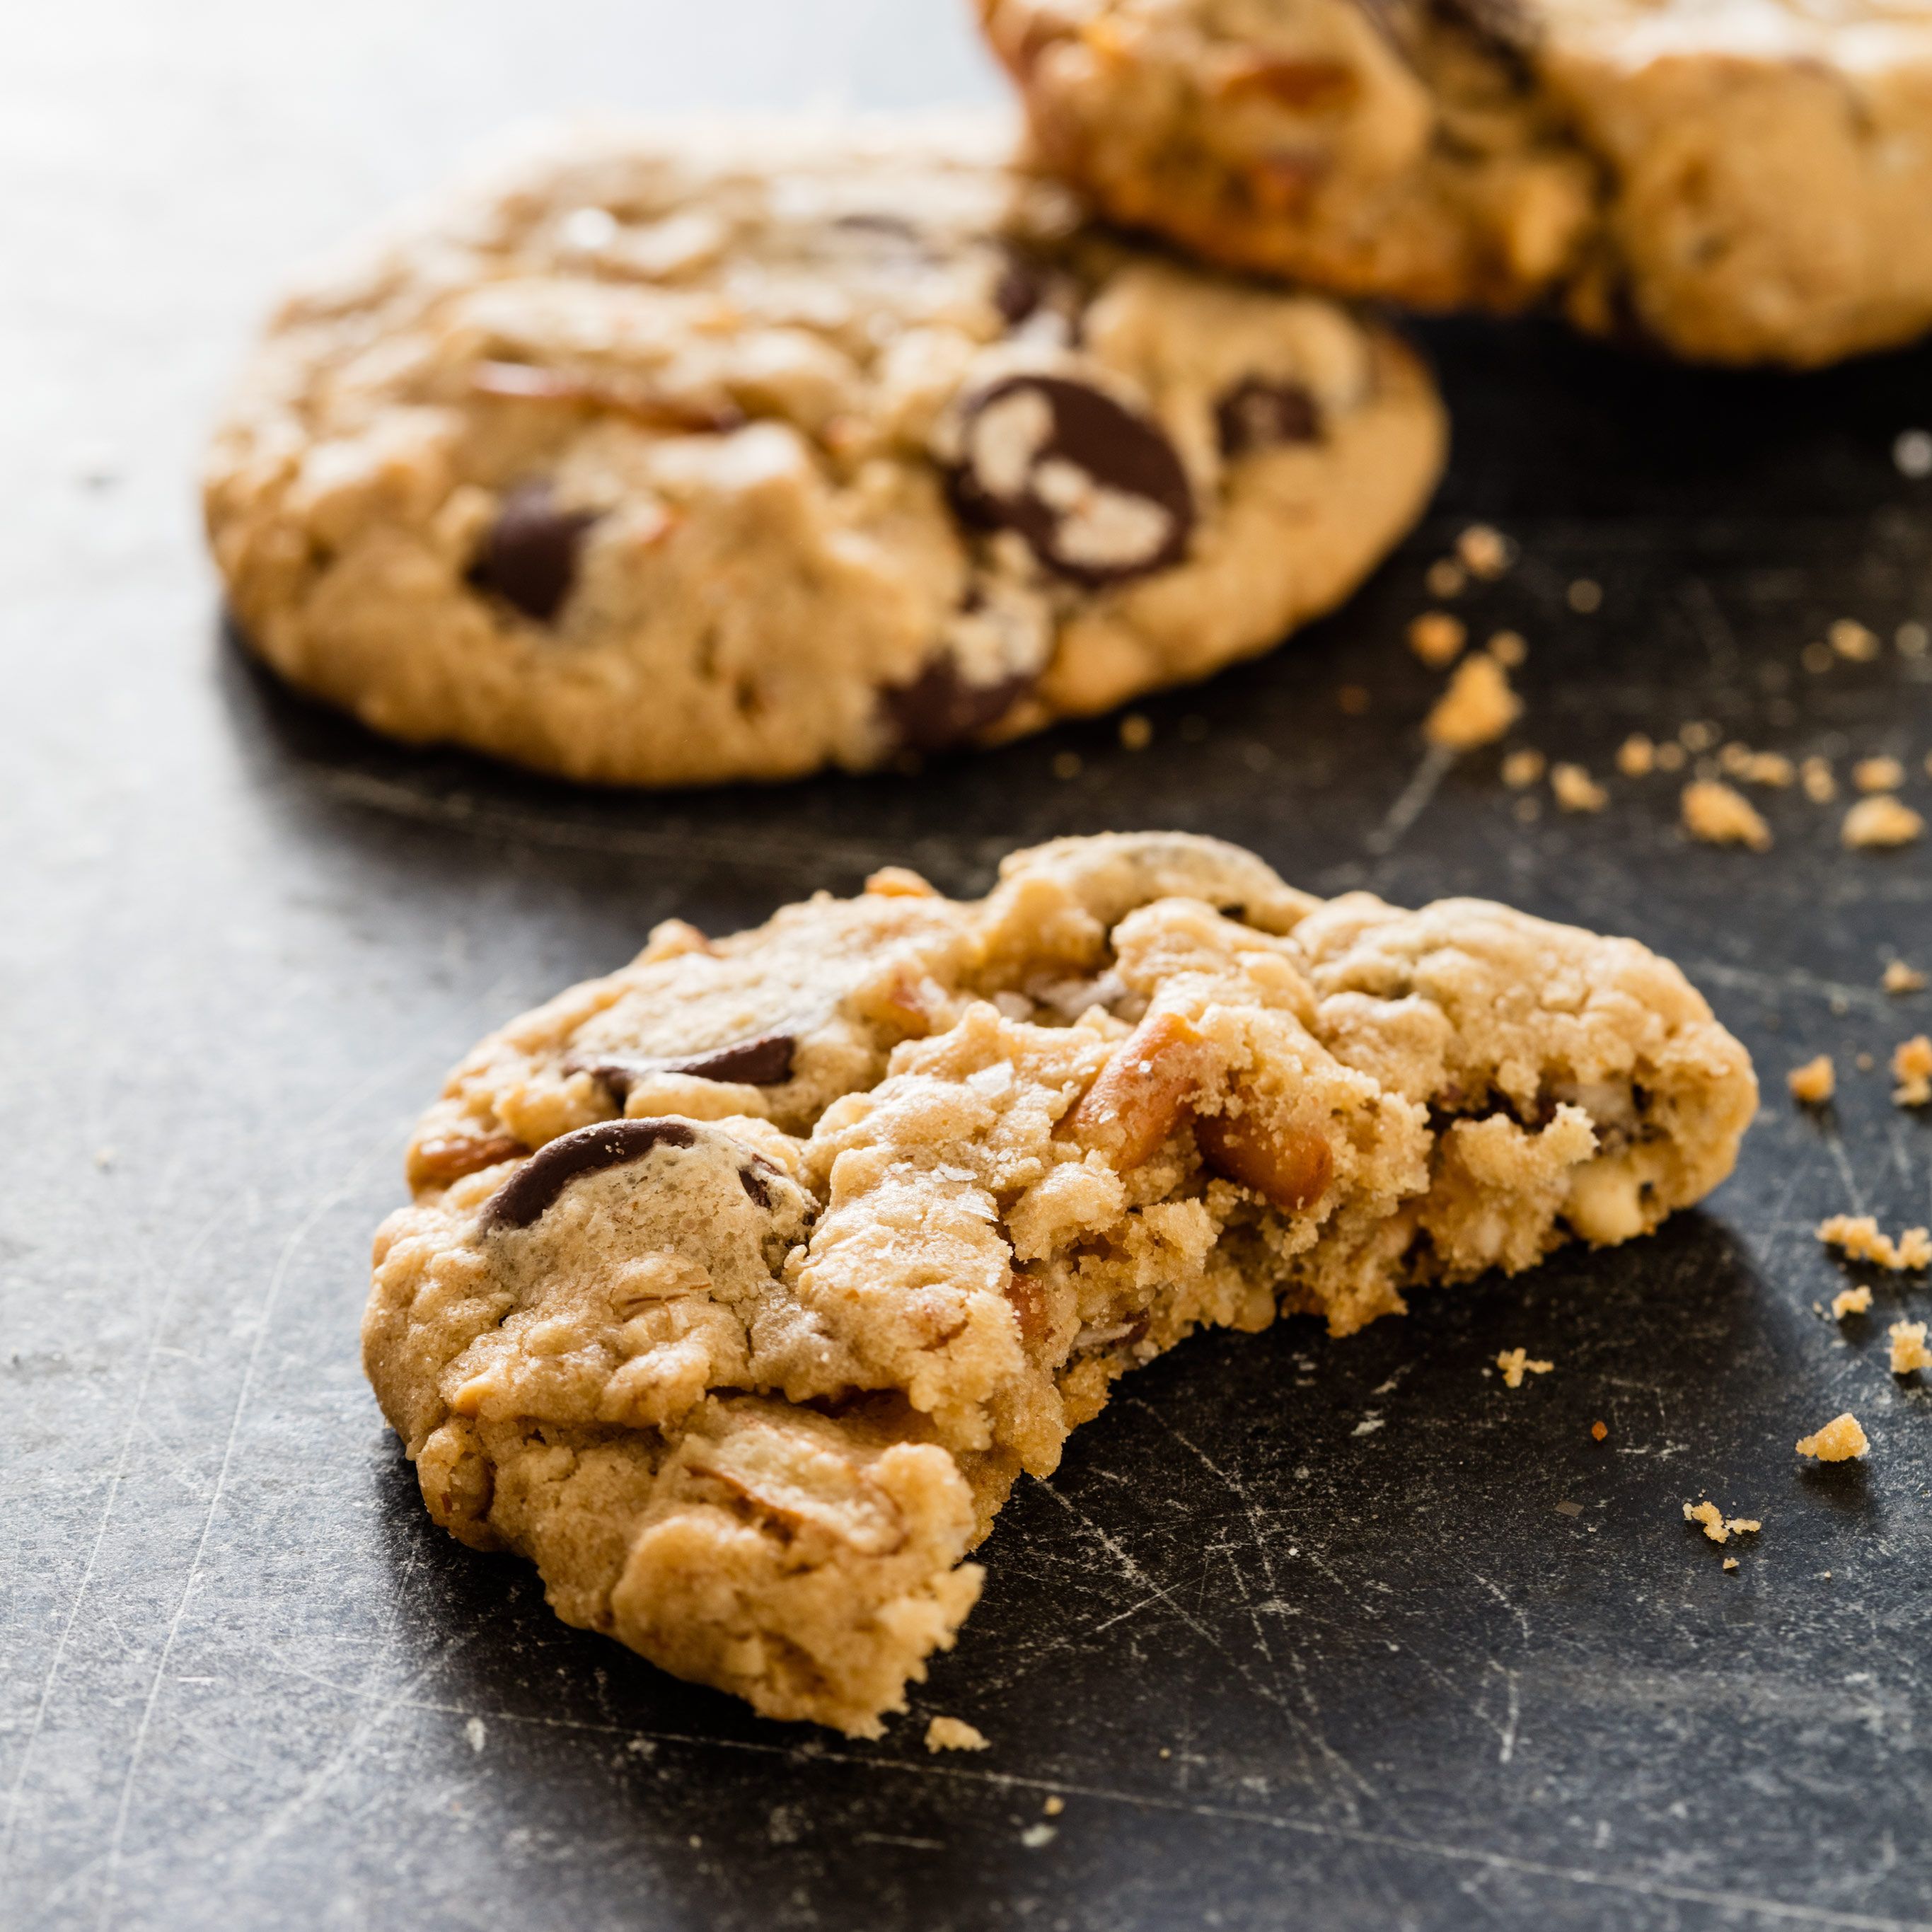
(745, 1360)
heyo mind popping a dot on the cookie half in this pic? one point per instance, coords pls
(1736, 183)
(740, 1286)
(666, 458)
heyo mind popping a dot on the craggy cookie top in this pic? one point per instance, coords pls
(740, 1285)
(660, 457)
(1736, 180)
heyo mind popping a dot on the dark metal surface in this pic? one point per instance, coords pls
(1332, 1634)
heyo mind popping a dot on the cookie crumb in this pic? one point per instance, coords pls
(1911, 453)
(1851, 640)
(1718, 1527)
(1720, 815)
(1446, 577)
(1529, 811)
(1816, 658)
(1055, 1806)
(1036, 1836)
(1881, 821)
(1815, 775)
(1865, 1061)
(1898, 978)
(1670, 757)
(1598, 1430)
(1912, 639)
(1353, 700)
(1514, 1363)
(954, 1734)
(1066, 764)
(1880, 774)
(1584, 595)
(899, 882)
(1858, 1237)
(1909, 1351)
(1522, 768)
(1576, 790)
(1477, 709)
(1911, 1068)
(1814, 1083)
(1730, 1562)
(1136, 733)
(1636, 756)
(1437, 638)
(1508, 649)
(1484, 552)
(1851, 1301)
(1841, 1440)
(1772, 769)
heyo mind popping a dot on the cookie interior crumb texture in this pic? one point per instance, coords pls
(681, 454)
(1841, 1440)
(739, 1286)
(1688, 175)
(954, 1734)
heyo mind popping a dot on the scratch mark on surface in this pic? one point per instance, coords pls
(1632, 1884)
(16, 1793)
(1410, 802)
(111, 1863)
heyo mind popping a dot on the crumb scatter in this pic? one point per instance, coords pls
(1909, 1351)
(1477, 709)
(1516, 1363)
(1720, 815)
(1911, 1068)
(1841, 1440)
(1858, 1237)
(954, 1734)
(1814, 1083)
(1576, 790)
(1437, 638)
(1851, 1301)
(1879, 821)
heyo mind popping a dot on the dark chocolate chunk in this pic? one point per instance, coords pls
(754, 1182)
(1038, 447)
(1257, 414)
(764, 1061)
(529, 557)
(939, 709)
(1020, 290)
(533, 1189)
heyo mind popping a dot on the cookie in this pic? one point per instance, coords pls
(1736, 184)
(740, 1286)
(664, 458)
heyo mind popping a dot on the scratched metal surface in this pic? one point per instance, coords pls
(1336, 1634)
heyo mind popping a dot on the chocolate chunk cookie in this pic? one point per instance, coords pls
(1737, 184)
(745, 1348)
(661, 460)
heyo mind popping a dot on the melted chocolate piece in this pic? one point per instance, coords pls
(533, 1189)
(1020, 290)
(1256, 415)
(764, 1061)
(939, 709)
(529, 558)
(1029, 468)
